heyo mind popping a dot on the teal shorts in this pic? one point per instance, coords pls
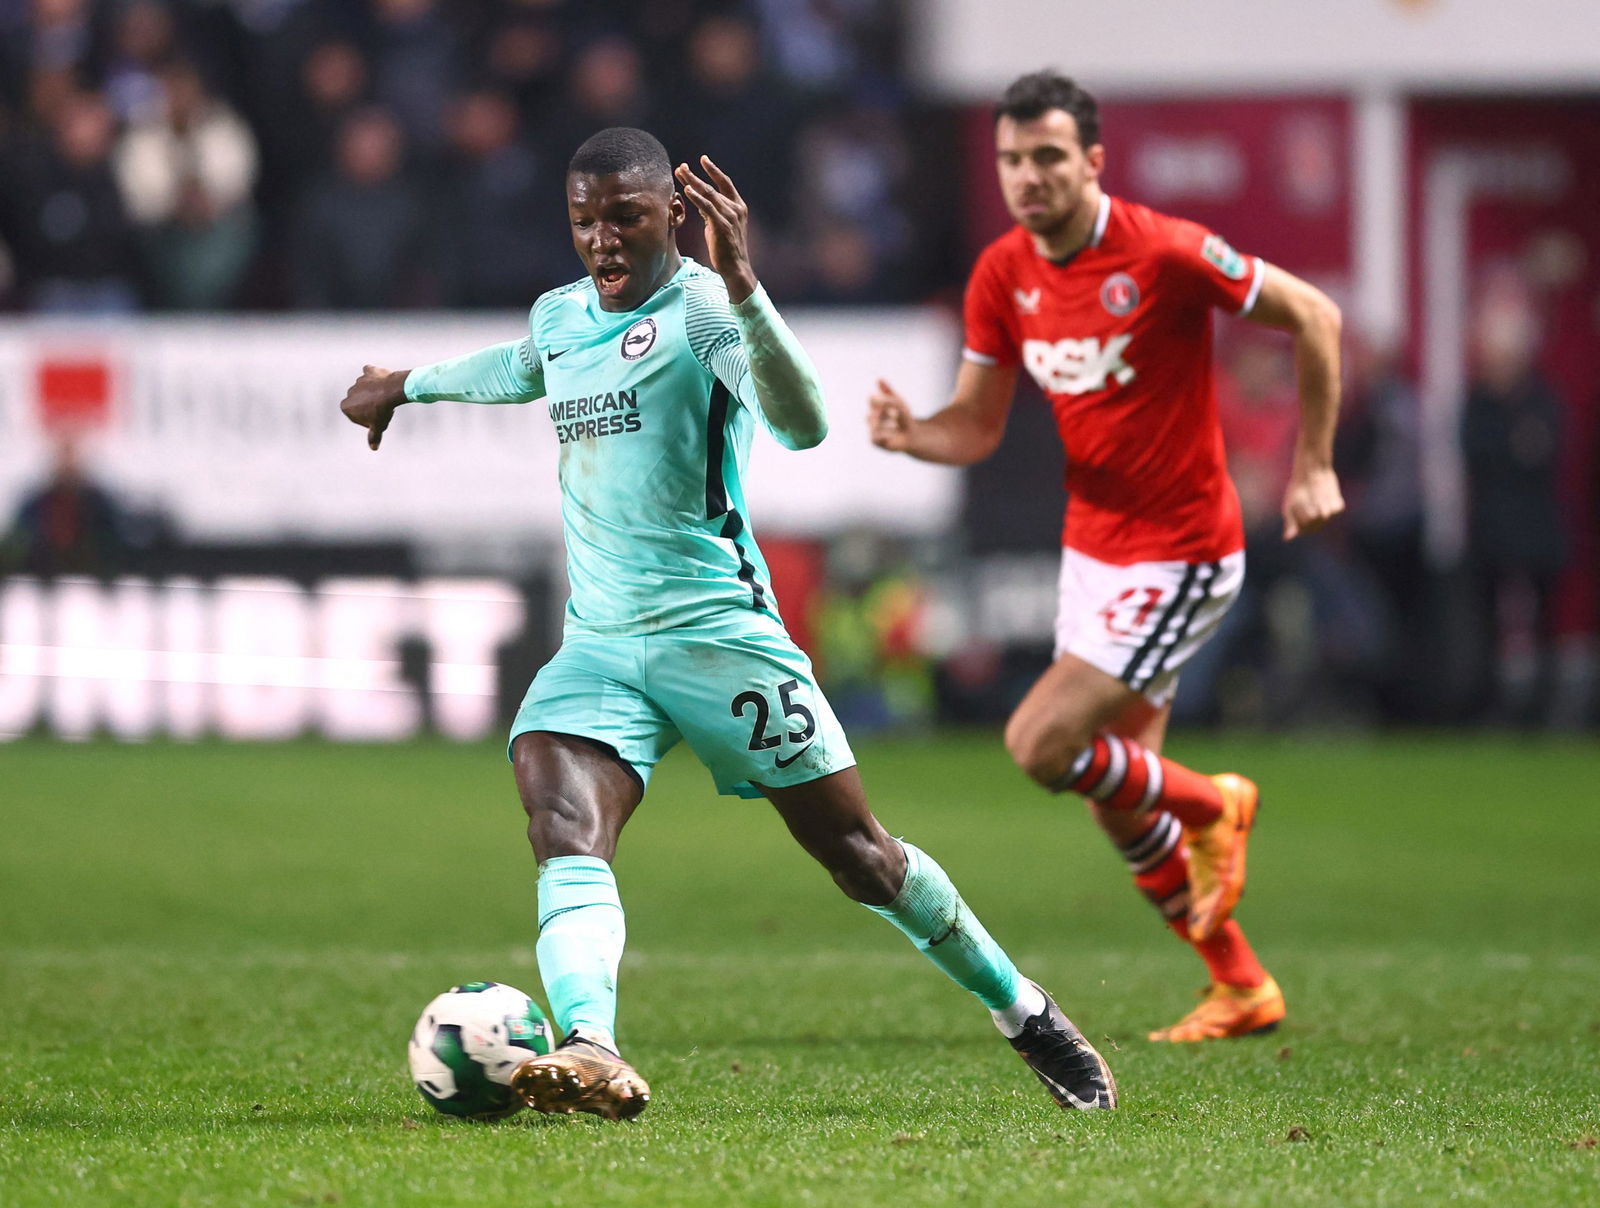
(736, 688)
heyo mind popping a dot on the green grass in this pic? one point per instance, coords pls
(210, 958)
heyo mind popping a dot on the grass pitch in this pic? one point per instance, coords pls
(210, 959)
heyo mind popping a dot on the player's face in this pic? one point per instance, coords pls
(623, 225)
(1045, 171)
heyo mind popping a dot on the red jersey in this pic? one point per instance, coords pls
(1119, 338)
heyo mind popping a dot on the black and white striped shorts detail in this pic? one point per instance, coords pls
(1150, 660)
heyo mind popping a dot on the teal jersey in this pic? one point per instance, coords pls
(653, 409)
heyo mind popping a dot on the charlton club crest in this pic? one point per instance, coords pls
(1119, 294)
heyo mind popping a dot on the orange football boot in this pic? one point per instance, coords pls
(1228, 1011)
(1216, 856)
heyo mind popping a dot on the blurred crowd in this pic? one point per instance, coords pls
(192, 155)
(374, 154)
(1386, 616)
(1480, 614)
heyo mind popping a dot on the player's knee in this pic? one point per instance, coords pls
(569, 812)
(868, 868)
(1021, 745)
(1043, 754)
(562, 825)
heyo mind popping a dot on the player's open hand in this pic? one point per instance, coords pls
(372, 400)
(727, 225)
(1313, 499)
(889, 419)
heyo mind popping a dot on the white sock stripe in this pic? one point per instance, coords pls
(1080, 765)
(1157, 836)
(1175, 905)
(1156, 846)
(1150, 862)
(1069, 781)
(1153, 780)
(1116, 770)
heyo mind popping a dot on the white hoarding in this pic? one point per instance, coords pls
(973, 48)
(251, 658)
(232, 426)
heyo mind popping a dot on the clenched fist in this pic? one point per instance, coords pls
(1312, 499)
(372, 400)
(889, 419)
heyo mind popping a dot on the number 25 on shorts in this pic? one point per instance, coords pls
(760, 740)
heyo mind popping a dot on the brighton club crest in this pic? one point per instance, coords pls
(638, 339)
(1119, 294)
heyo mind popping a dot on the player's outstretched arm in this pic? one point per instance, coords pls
(966, 431)
(501, 373)
(786, 384)
(1313, 497)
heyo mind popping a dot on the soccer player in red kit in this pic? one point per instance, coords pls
(1107, 305)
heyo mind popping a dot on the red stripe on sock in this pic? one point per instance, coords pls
(1166, 878)
(1131, 792)
(1099, 761)
(1191, 798)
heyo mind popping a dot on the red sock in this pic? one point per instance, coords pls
(1123, 775)
(1228, 955)
(1160, 864)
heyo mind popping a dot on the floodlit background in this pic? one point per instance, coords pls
(212, 212)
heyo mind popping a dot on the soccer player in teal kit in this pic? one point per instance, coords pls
(655, 372)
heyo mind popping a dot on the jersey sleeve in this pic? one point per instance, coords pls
(1203, 267)
(989, 339)
(502, 373)
(713, 337)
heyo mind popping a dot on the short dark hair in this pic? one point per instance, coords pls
(623, 149)
(1029, 96)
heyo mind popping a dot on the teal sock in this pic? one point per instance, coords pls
(581, 933)
(930, 911)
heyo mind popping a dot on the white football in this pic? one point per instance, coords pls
(467, 1043)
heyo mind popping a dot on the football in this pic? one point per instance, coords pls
(467, 1043)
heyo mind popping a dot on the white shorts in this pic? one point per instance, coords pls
(1142, 623)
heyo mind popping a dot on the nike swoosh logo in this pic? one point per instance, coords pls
(550, 356)
(1085, 1105)
(783, 763)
